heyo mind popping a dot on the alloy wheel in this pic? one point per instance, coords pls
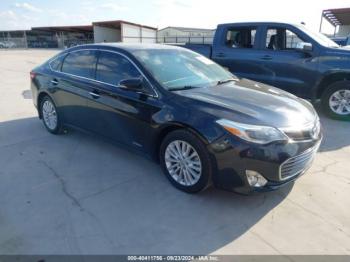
(339, 102)
(49, 115)
(183, 163)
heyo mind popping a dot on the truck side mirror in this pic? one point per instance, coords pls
(304, 47)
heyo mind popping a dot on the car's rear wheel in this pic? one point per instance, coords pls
(336, 100)
(185, 161)
(50, 115)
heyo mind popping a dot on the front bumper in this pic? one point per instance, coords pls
(280, 163)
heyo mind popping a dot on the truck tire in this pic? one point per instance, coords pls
(335, 101)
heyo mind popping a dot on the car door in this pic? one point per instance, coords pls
(72, 82)
(122, 115)
(284, 66)
(238, 52)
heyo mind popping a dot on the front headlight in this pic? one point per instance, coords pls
(253, 133)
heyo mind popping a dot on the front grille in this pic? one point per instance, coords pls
(295, 165)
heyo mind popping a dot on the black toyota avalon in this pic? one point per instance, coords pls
(204, 125)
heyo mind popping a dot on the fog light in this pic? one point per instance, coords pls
(255, 179)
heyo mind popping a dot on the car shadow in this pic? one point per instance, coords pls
(109, 189)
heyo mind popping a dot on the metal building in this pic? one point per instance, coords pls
(123, 31)
(67, 36)
(339, 18)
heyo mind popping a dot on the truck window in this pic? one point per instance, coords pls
(243, 37)
(281, 39)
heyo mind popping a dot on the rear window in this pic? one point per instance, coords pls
(80, 63)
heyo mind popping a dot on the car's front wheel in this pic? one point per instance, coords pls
(336, 100)
(50, 115)
(185, 161)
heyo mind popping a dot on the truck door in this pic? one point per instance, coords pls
(237, 50)
(284, 66)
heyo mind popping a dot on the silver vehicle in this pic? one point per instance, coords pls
(7, 44)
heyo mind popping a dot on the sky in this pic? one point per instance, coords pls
(161, 13)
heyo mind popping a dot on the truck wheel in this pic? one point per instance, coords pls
(335, 100)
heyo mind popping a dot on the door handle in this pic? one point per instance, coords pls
(94, 95)
(266, 57)
(220, 54)
(54, 82)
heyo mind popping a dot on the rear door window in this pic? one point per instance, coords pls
(80, 63)
(112, 68)
(241, 37)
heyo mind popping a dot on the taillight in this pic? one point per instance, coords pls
(32, 75)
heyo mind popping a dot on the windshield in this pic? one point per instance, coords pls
(176, 69)
(318, 37)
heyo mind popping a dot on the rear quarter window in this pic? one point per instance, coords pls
(56, 64)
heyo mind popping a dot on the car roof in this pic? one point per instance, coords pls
(130, 46)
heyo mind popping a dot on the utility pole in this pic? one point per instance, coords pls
(321, 22)
(25, 39)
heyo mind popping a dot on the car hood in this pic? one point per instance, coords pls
(252, 103)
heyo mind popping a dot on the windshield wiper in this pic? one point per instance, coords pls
(182, 88)
(220, 82)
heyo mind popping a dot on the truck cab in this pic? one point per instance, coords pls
(288, 56)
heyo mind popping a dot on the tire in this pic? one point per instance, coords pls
(330, 97)
(54, 127)
(190, 180)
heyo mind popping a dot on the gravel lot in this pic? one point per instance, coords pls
(79, 194)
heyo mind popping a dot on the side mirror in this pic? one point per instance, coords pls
(132, 84)
(305, 47)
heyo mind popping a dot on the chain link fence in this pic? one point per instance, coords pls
(13, 42)
(66, 42)
(185, 40)
(43, 39)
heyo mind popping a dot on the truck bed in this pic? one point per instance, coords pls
(203, 49)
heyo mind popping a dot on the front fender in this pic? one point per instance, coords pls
(328, 77)
(201, 123)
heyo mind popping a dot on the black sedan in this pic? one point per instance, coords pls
(203, 124)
